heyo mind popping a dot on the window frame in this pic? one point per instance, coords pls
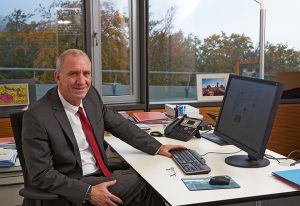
(93, 13)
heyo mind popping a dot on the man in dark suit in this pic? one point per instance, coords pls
(58, 151)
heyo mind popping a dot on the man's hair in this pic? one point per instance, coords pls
(72, 52)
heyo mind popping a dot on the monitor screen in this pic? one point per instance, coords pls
(246, 118)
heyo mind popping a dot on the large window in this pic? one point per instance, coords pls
(184, 39)
(216, 36)
(33, 33)
(201, 36)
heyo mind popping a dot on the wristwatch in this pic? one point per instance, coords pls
(87, 196)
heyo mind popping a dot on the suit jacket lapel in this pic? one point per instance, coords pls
(63, 120)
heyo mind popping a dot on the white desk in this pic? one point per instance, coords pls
(256, 183)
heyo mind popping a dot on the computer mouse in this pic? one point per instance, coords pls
(156, 134)
(219, 180)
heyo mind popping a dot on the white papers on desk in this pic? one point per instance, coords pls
(143, 126)
(8, 157)
(189, 110)
(7, 146)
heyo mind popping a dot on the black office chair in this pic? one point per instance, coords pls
(32, 196)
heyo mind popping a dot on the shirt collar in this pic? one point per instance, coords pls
(67, 105)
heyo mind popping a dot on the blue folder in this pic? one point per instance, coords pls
(292, 176)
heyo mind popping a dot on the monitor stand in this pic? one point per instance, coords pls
(214, 138)
(246, 162)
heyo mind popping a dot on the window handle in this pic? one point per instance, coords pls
(95, 37)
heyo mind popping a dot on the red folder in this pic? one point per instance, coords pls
(7, 140)
(149, 116)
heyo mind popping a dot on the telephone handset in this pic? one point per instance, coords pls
(183, 128)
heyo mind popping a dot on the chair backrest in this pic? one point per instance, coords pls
(16, 123)
(32, 196)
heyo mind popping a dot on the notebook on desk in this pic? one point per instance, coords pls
(149, 117)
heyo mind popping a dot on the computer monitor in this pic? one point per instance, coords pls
(246, 118)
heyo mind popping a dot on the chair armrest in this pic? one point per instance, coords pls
(116, 163)
(32, 193)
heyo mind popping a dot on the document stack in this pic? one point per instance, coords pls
(179, 110)
(7, 143)
(150, 117)
(7, 157)
(8, 152)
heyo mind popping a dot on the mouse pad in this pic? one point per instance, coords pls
(202, 183)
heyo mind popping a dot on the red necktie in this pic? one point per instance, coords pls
(90, 136)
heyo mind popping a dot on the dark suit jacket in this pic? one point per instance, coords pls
(50, 149)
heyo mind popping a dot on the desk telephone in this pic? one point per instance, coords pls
(183, 128)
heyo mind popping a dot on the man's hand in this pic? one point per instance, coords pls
(101, 196)
(165, 149)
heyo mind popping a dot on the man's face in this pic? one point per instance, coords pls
(74, 79)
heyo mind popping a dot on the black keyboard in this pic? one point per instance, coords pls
(190, 162)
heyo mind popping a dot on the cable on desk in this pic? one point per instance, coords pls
(293, 164)
(221, 153)
(284, 158)
(274, 158)
(293, 152)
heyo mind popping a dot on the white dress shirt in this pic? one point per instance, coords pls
(87, 157)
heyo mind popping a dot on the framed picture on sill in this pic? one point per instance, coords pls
(16, 94)
(248, 69)
(211, 87)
